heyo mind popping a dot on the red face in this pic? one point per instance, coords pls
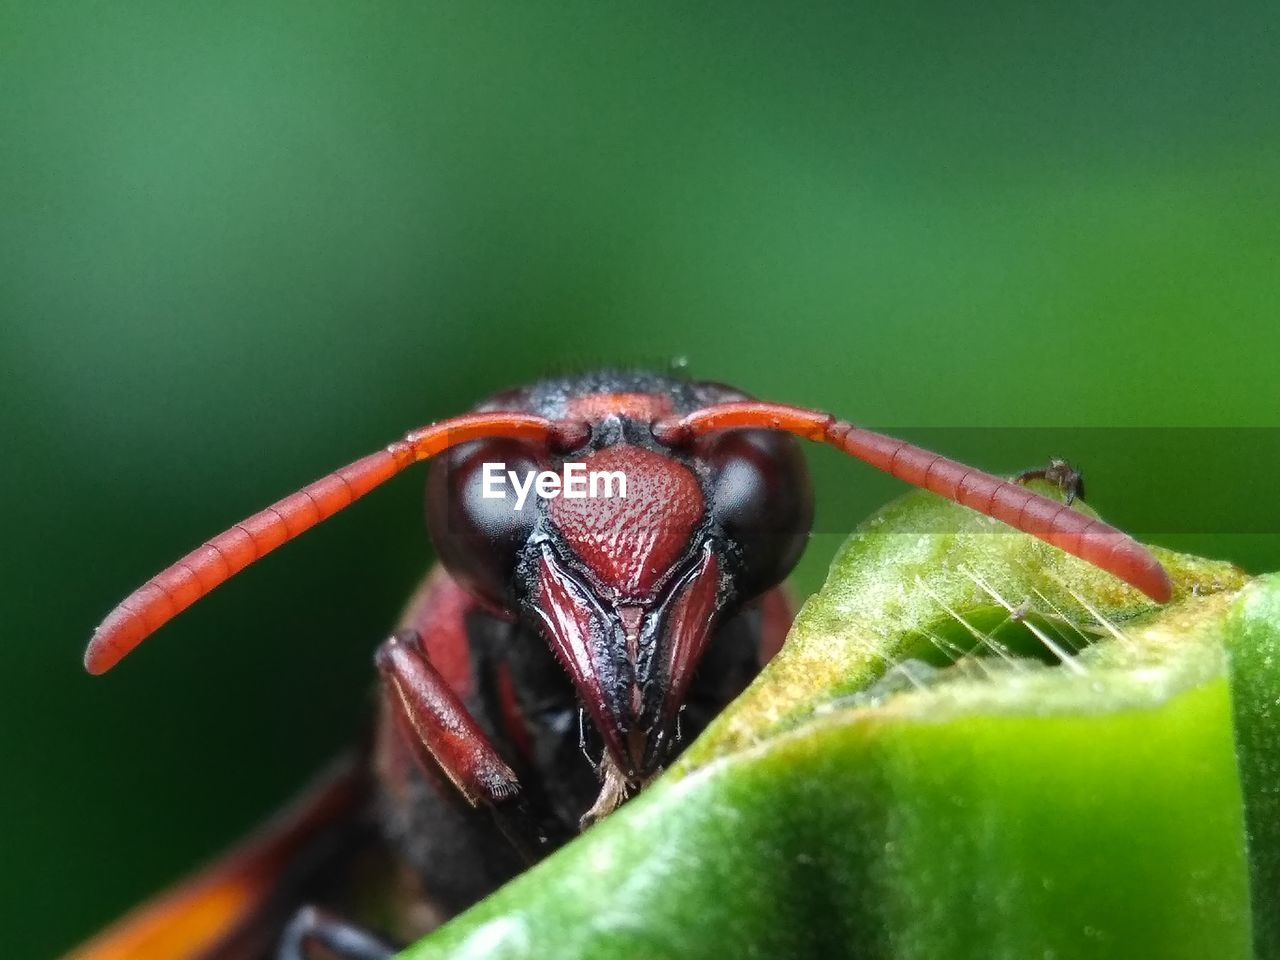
(627, 589)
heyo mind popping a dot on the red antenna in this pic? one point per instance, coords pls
(175, 588)
(1056, 523)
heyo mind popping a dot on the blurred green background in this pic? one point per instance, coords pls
(243, 243)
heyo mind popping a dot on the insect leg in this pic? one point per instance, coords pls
(1060, 473)
(442, 733)
(311, 928)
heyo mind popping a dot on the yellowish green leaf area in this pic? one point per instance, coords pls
(972, 746)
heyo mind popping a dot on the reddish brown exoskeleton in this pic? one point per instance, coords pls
(560, 655)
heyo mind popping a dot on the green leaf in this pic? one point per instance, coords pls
(972, 746)
(1253, 644)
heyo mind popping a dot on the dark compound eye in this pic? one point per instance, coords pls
(762, 498)
(479, 538)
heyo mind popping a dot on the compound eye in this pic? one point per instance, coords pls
(477, 537)
(762, 499)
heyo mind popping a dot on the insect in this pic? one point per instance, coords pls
(561, 653)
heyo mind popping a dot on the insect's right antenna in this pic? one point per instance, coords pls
(174, 589)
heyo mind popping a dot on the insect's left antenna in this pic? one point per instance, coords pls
(175, 588)
(1056, 523)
